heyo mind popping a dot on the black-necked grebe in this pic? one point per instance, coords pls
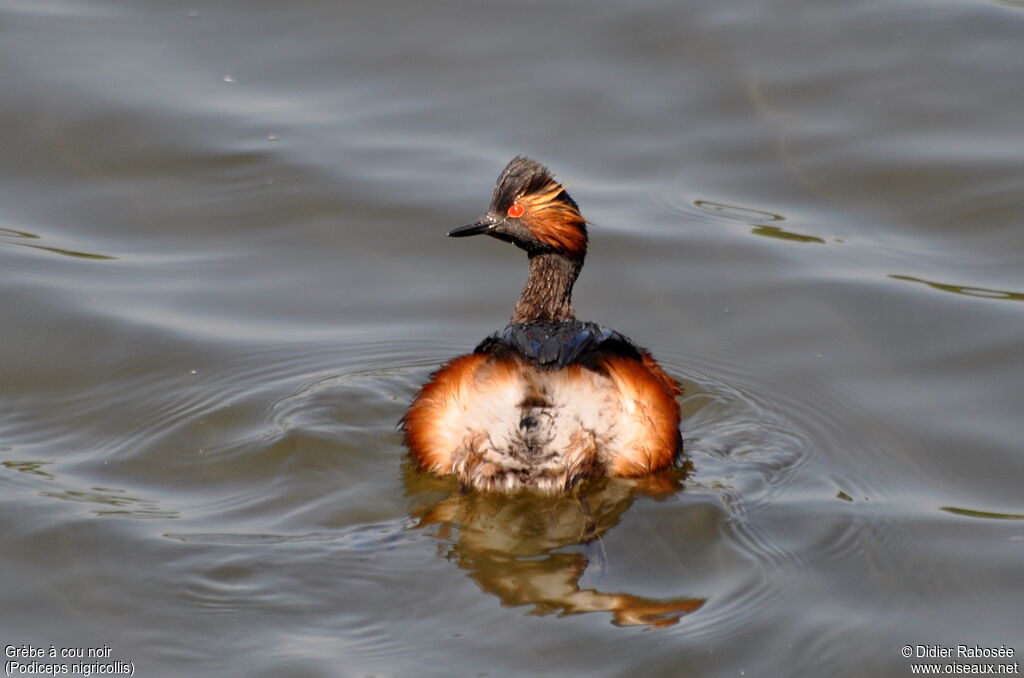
(547, 400)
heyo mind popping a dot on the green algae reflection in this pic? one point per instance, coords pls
(981, 292)
(971, 513)
(759, 219)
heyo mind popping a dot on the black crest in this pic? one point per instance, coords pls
(524, 176)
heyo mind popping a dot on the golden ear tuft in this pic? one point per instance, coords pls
(555, 220)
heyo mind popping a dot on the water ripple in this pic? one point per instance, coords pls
(14, 237)
(965, 290)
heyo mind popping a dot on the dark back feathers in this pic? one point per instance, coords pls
(557, 344)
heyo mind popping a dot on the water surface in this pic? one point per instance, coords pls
(224, 275)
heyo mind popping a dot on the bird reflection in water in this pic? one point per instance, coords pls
(514, 545)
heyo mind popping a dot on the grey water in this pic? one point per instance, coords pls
(223, 275)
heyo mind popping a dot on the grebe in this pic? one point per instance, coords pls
(548, 400)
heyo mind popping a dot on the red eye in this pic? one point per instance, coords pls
(516, 211)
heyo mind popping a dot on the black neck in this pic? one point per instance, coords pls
(547, 296)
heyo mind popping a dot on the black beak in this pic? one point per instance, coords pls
(481, 225)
